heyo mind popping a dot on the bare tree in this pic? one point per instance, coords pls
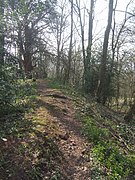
(68, 69)
(78, 11)
(58, 29)
(88, 64)
(115, 39)
(102, 91)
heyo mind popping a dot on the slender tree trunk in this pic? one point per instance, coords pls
(70, 46)
(88, 64)
(58, 62)
(20, 47)
(58, 53)
(102, 92)
(90, 24)
(59, 39)
(1, 33)
(82, 33)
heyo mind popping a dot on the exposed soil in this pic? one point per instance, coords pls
(71, 142)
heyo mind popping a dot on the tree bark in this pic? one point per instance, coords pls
(2, 33)
(90, 23)
(28, 48)
(70, 46)
(59, 29)
(102, 92)
(82, 33)
(88, 64)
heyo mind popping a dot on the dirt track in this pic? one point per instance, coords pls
(72, 144)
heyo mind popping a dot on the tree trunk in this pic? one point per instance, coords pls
(70, 46)
(129, 116)
(88, 64)
(2, 33)
(102, 92)
(90, 23)
(59, 29)
(82, 33)
(28, 48)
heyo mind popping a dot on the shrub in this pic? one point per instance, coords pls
(7, 88)
(14, 92)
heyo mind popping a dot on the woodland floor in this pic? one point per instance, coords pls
(49, 140)
(46, 143)
(70, 141)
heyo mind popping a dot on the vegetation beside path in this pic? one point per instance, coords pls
(112, 153)
(59, 135)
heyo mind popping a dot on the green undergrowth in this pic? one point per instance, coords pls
(25, 94)
(28, 135)
(55, 84)
(112, 154)
(15, 93)
(110, 161)
(27, 150)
